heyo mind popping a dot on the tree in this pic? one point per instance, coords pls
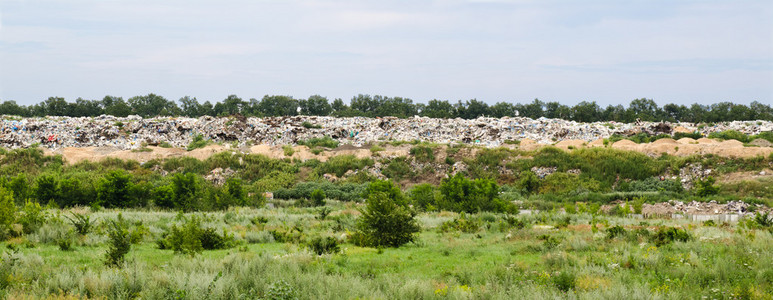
(318, 197)
(119, 242)
(114, 189)
(316, 105)
(384, 222)
(186, 189)
(644, 109)
(47, 189)
(423, 196)
(586, 112)
(190, 107)
(439, 109)
(272, 106)
(7, 212)
(464, 195)
(235, 190)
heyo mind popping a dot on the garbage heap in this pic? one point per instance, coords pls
(133, 131)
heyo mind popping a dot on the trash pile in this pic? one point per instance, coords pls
(702, 208)
(133, 131)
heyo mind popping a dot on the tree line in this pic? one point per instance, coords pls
(152, 105)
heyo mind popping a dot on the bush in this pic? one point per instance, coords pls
(652, 184)
(387, 222)
(114, 189)
(82, 223)
(462, 223)
(288, 150)
(280, 290)
(324, 245)
(119, 242)
(186, 189)
(197, 142)
(615, 231)
(423, 196)
(191, 238)
(46, 189)
(398, 168)
(7, 212)
(730, 135)
(32, 217)
(423, 153)
(667, 235)
(565, 281)
(462, 194)
(706, 187)
(318, 197)
(339, 165)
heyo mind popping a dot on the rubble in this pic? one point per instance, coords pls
(133, 132)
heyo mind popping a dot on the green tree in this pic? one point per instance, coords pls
(423, 196)
(7, 212)
(114, 189)
(385, 222)
(318, 197)
(47, 189)
(316, 105)
(119, 242)
(464, 195)
(186, 189)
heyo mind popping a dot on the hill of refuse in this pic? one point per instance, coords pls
(133, 131)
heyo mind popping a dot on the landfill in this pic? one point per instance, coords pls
(133, 131)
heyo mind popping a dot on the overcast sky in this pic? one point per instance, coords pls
(493, 50)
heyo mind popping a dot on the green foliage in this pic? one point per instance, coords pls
(463, 223)
(324, 245)
(190, 238)
(119, 241)
(564, 183)
(730, 135)
(565, 281)
(670, 234)
(423, 153)
(163, 196)
(288, 150)
(303, 190)
(423, 197)
(461, 194)
(114, 189)
(616, 231)
(46, 189)
(398, 168)
(529, 182)
(82, 223)
(652, 184)
(706, 187)
(339, 165)
(197, 142)
(31, 217)
(318, 197)
(7, 212)
(280, 290)
(307, 124)
(186, 189)
(387, 221)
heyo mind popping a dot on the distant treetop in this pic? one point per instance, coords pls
(152, 105)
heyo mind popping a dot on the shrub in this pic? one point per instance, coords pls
(423, 153)
(730, 135)
(398, 168)
(462, 194)
(82, 223)
(324, 245)
(462, 223)
(386, 221)
(119, 242)
(307, 124)
(46, 189)
(186, 189)
(32, 217)
(667, 235)
(615, 231)
(7, 212)
(706, 187)
(114, 189)
(191, 238)
(565, 281)
(423, 196)
(318, 197)
(197, 142)
(288, 150)
(280, 290)
(339, 165)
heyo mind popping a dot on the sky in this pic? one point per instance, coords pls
(567, 51)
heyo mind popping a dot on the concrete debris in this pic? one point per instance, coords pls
(218, 176)
(542, 172)
(132, 132)
(702, 208)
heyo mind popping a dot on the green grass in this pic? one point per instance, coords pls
(495, 262)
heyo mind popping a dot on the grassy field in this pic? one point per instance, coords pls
(475, 256)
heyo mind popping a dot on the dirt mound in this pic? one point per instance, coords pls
(665, 141)
(597, 143)
(574, 144)
(706, 141)
(761, 143)
(687, 141)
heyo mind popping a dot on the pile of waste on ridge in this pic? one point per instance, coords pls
(133, 131)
